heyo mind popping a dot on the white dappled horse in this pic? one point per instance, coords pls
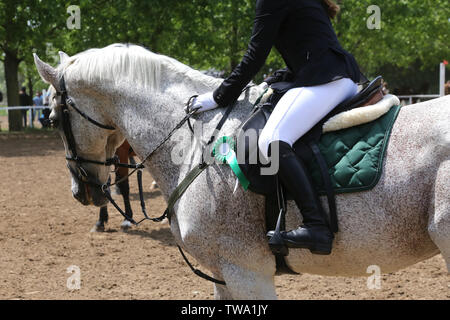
(403, 220)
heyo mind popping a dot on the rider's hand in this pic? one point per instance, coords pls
(264, 85)
(204, 102)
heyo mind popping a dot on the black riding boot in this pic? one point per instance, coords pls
(315, 233)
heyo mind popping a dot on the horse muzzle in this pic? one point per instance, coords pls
(89, 195)
(87, 192)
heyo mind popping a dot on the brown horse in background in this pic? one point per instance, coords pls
(125, 154)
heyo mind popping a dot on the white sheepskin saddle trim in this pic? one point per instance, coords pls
(357, 116)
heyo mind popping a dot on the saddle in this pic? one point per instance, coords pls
(250, 161)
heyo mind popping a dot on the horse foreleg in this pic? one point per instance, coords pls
(124, 187)
(125, 192)
(439, 225)
(103, 218)
(243, 284)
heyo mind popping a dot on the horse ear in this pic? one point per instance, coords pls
(47, 72)
(63, 57)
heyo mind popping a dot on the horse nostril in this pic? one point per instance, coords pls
(80, 194)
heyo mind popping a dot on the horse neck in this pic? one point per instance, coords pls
(146, 118)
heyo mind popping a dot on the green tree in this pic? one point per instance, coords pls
(24, 27)
(413, 38)
(2, 83)
(214, 34)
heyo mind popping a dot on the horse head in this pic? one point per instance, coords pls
(88, 141)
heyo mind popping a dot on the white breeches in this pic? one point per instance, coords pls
(302, 108)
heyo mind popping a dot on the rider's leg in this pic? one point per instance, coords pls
(295, 114)
(314, 234)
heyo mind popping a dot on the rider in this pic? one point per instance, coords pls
(324, 75)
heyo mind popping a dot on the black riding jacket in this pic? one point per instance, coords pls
(302, 32)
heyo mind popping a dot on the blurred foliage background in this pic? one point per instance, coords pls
(210, 34)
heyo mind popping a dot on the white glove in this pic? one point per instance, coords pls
(205, 102)
(263, 85)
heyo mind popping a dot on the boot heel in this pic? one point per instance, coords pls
(321, 249)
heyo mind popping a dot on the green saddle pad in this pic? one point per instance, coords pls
(355, 155)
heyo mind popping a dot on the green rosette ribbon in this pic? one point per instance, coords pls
(224, 151)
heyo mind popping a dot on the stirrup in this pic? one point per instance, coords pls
(276, 242)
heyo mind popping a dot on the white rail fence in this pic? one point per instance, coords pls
(30, 115)
(416, 98)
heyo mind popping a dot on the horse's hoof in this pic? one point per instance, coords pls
(126, 225)
(153, 186)
(98, 228)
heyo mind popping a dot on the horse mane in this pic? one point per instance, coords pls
(118, 62)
